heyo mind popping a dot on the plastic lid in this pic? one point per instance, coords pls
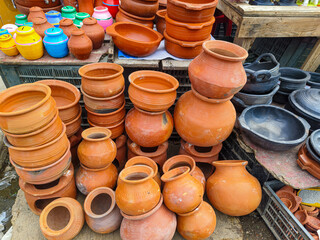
(3, 31)
(82, 15)
(25, 29)
(68, 9)
(53, 31)
(21, 16)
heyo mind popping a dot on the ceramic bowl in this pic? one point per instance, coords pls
(314, 81)
(272, 65)
(270, 127)
(281, 97)
(315, 141)
(240, 105)
(292, 79)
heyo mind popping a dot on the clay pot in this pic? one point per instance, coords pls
(121, 157)
(306, 162)
(286, 202)
(102, 79)
(112, 6)
(206, 169)
(103, 16)
(86, 6)
(101, 211)
(137, 192)
(287, 188)
(302, 216)
(140, 8)
(198, 224)
(74, 125)
(94, 31)
(295, 200)
(182, 193)
(148, 129)
(39, 196)
(201, 121)
(313, 224)
(88, 179)
(123, 16)
(62, 219)
(39, 3)
(80, 44)
(98, 3)
(25, 10)
(216, 80)
(232, 189)
(160, 20)
(116, 129)
(67, 26)
(157, 154)
(107, 118)
(96, 150)
(152, 90)
(74, 142)
(181, 10)
(35, 12)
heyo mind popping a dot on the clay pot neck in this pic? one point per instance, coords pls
(143, 161)
(96, 134)
(149, 113)
(100, 202)
(234, 166)
(209, 100)
(179, 161)
(136, 174)
(175, 174)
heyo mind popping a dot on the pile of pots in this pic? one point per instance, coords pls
(24, 6)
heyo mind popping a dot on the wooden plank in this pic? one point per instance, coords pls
(175, 64)
(313, 60)
(230, 11)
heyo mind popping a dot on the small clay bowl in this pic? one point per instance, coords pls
(123, 16)
(287, 202)
(295, 200)
(74, 125)
(116, 129)
(302, 216)
(160, 20)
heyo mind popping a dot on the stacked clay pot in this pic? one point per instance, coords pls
(188, 25)
(38, 145)
(149, 124)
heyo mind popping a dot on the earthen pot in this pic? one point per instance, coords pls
(62, 219)
(116, 129)
(39, 3)
(26, 108)
(94, 31)
(152, 90)
(35, 12)
(74, 125)
(109, 117)
(102, 80)
(313, 224)
(197, 224)
(160, 20)
(232, 189)
(88, 179)
(223, 75)
(201, 121)
(80, 44)
(67, 26)
(123, 16)
(101, 211)
(39, 196)
(140, 8)
(137, 192)
(86, 6)
(286, 202)
(96, 150)
(148, 129)
(306, 162)
(157, 154)
(121, 157)
(25, 10)
(295, 200)
(74, 142)
(182, 192)
(302, 216)
(191, 10)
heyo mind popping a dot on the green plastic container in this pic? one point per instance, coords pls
(79, 18)
(21, 19)
(69, 12)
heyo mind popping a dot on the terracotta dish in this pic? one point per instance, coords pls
(160, 20)
(295, 200)
(307, 163)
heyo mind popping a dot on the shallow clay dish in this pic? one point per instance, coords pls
(307, 163)
(123, 16)
(311, 151)
(295, 200)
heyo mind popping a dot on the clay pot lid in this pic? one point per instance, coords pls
(5, 37)
(65, 22)
(39, 20)
(90, 21)
(25, 30)
(184, 44)
(96, 134)
(194, 4)
(179, 161)
(35, 9)
(315, 141)
(134, 16)
(161, 13)
(144, 173)
(143, 161)
(82, 15)
(21, 16)
(53, 13)
(68, 9)
(175, 174)
(302, 216)
(77, 32)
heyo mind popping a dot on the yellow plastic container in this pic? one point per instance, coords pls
(29, 43)
(8, 45)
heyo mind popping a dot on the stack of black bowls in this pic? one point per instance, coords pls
(314, 81)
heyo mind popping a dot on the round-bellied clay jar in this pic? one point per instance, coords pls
(94, 31)
(67, 26)
(80, 44)
(40, 25)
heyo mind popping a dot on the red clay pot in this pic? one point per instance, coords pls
(67, 26)
(107, 118)
(35, 12)
(123, 16)
(295, 200)
(306, 162)
(74, 142)
(39, 3)
(302, 216)
(116, 129)
(140, 8)
(160, 20)
(80, 45)
(40, 25)
(121, 157)
(94, 31)
(86, 6)
(74, 125)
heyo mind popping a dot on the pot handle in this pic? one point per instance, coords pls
(111, 31)
(258, 76)
(266, 55)
(191, 44)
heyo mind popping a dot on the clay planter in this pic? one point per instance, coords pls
(134, 39)
(181, 10)
(232, 190)
(67, 26)
(39, 3)
(198, 224)
(35, 12)
(121, 157)
(152, 90)
(39, 196)
(26, 108)
(88, 179)
(107, 118)
(295, 200)
(74, 125)
(80, 44)
(160, 20)
(140, 8)
(148, 129)
(201, 121)
(157, 154)
(101, 80)
(116, 129)
(94, 31)
(96, 150)
(123, 16)
(101, 211)
(62, 219)
(137, 192)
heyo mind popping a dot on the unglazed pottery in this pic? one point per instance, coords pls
(306, 162)
(56, 42)
(53, 17)
(116, 129)
(74, 125)
(148, 129)
(260, 82)
(80, 45)
(121, 157)
(68, 12)
(232, 189)
(103, 16)
(295, 200)
(112, 6)
(86, 6)
(123, 16)
(67, 26)
(108, 118)
(302, 216)
(74, 142)
(80, 16)
(140, 8)
(101, 211)
(134, 39)
(152, 90)
(96, 150)
(94, 31)
(160, 20)
(40, 3)
(137, 192)
(40, 25)
(25, 10)
(62, 219)
(292, 79)
(8, 45)
(35, 12)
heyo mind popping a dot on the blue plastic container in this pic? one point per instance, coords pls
(30, 24)
(56, 42)
(53, 17)
(4, 31)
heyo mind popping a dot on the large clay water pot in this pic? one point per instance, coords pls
(232, 189)
(202, 121)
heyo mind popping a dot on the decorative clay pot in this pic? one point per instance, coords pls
(69, 12)
(35, 12)
(112, 6)
(80, 16)
(160, 20)
(123, 16)
(67, 26)
(80, 45)
(56, 43)
(40, 25)
(94, 31)
(21, 19)
(111, 117)
(8, 45)
(53, 17)
(86, 6)
(103, 17)
(140, 8)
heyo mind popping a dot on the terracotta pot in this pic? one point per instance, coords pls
(40, 156)
(121, 157)
(137, 191)
(152, 90)
(39, 196)
(107, 118)
(287, 189)
(157, 154)
(181, 10)
(286, 202)
(101, 211)
(123, 16)
(74, 125)
(25, 10)
(198, 224)
(140, 8)
(94, 31)
(219, 57)
(232, 189)
(201, 121)
(26, 108)
(62, 219)
(86, 6)
(116, 129)
(80, 44)
(102, 79)
(39, 3)
(73, 3)
(182, 193)
(145, 161)
(306, 162)
(98, 3)
(295, 200)
(74, 142)
(35, 12)
(302, 216)
(183, 49)
(88, 179)
(148, 129)
(96, 150)
(67, 26)
(160, 20)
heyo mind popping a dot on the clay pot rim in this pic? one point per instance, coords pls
(188, 159)
(92, 195)
(85, 134)
(193, 211)
(76, 118)
(190, 26)
(22, 88)
(310, 224)
(106, 114)
(194, 6)
(133, 169)
(161, 13)
(230, 163)
(191, 148)
(286, 199)
(134, 16)
(95, 169)
(303, 153)
(65, 22)
(160, 150)
(175, 174)
(103, 65)
(149, 73)
(90, 21)
(184, 44)
(35, 9)
(112, 126)
(305, 214)
(102, 99)
(134, 161)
